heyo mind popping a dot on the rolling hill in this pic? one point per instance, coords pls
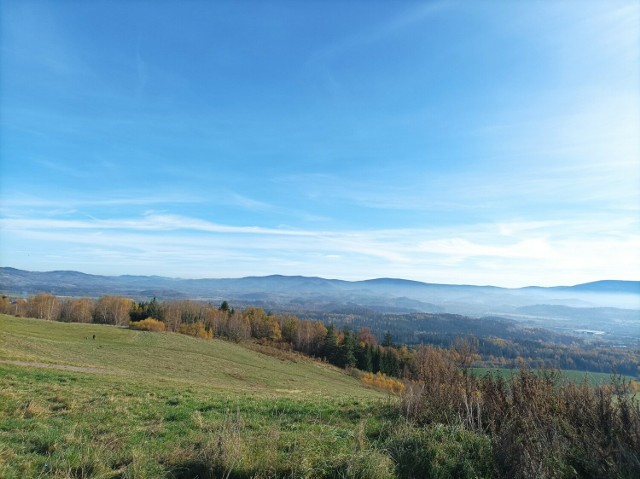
(384, 295)
(135, 404)
(169, 358)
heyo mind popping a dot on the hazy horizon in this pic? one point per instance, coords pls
(444, 142)
(188, 278)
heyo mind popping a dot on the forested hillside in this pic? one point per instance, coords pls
(371, 341)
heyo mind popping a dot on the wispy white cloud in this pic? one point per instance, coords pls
(249, 203)
(22, 201)
(150, 222)
(510, 254)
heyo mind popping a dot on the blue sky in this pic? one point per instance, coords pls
(443, 141)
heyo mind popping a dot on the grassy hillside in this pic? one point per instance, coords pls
(131, 404)
(177, 360)
(167, 405)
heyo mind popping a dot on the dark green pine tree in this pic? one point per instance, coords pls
(154, 309)
(348, 350)
(330, 349)
(388, 340)
(224, 307)
(393, 364)
(368, 358)
(384, 361)
(361, 356)
(376, 359)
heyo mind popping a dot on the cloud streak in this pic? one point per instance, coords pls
(189, 246)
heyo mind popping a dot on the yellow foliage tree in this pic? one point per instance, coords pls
(196, 330)
(148, 324)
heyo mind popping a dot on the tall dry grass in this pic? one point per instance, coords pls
(540, 425)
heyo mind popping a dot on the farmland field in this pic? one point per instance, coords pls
(570, 375)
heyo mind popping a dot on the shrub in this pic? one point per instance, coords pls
(539, 424)
(197, 330)
(384, 382)
(148, 324)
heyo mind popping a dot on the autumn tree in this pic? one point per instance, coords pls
(365, 336)
(44, 306)
(20, 308)
(289, 325)
(237, 327)
(262, 324)
(465, 352)
(196, 330)
(214, 319)
(112, 310)
(76, 310)
(191, 311)
(432, 365)
(309, 337)
(5, 305)
(172, 315)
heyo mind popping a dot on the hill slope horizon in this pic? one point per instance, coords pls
(608, 285)
(304, 293)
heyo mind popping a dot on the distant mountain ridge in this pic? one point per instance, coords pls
(609, 305)
(14, 280)
(387, 295)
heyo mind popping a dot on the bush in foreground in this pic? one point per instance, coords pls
(539, 424)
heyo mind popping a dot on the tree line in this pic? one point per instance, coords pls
(502, 342)
(344, 344)
(340, 347)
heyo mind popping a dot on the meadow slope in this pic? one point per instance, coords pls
(172, 359)
(147, 405)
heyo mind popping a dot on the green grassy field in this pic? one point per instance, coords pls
(173, 360)
(134, 404)
(167, 405)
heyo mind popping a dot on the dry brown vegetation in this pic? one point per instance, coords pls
(540, 425)
(384, 382)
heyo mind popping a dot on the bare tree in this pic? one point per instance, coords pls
(44, 306)
(112, 310)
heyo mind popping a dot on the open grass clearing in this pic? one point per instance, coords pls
(164, 358)
(137, 404)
